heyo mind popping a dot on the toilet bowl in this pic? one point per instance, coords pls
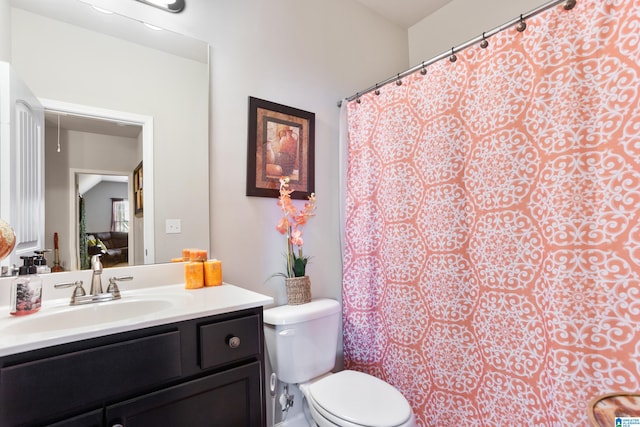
(354, 399)
(301, 342)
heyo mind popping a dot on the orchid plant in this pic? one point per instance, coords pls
(291, 225)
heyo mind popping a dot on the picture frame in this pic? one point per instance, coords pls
(138, 195)
(281, 142)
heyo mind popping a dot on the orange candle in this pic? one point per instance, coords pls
(193, 275)
(198, 255)
(213, 272)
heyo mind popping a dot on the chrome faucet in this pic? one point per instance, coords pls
(95, 294)
(96, 277)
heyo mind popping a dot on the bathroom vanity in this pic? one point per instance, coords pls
(198, 364)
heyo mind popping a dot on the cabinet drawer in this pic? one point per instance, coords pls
(230, 340)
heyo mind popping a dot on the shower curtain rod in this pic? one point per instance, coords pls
(568, 5)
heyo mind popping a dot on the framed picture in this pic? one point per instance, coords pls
(281, 143)
(138, 190)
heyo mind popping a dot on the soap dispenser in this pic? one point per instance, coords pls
(41, 262)
(26, 289)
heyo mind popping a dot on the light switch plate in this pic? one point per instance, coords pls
(173, 226)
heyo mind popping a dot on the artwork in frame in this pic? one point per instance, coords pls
(138, 190)
(280, 143)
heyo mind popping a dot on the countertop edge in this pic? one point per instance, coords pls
(249, 299)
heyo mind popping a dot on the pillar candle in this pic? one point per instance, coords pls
(198, 255)
(193, 275)
(213, 272)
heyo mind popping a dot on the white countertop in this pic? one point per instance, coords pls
(184, 305)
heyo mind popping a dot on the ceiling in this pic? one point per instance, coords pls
(92, 125)
(404, 13)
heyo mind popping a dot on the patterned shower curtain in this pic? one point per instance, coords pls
(492, 242)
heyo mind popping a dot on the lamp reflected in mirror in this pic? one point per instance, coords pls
(7, 239)
(174, 6)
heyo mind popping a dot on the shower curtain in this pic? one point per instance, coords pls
(491, 265)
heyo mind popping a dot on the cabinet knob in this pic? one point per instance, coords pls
(233, 341)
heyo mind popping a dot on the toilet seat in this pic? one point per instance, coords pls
(355, 399)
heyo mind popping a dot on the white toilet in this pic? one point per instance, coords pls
(302, 341)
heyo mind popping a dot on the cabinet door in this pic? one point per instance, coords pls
(231, 398)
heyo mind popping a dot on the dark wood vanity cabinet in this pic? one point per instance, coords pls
(202, 372)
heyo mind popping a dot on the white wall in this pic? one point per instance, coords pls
(460, 21)
(303, 54)
(98, 204)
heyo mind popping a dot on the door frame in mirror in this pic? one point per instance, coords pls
(146, 122)
(74, 204)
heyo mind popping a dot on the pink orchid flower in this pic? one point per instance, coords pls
(292, 222)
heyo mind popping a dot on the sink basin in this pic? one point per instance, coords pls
(91, 315)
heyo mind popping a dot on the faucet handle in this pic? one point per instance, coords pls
(113, 286)
(77, 292)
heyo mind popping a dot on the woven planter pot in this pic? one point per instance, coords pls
(298, 290)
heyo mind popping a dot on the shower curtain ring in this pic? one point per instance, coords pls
(424, 70)
(521, 25)
(358, 98)
(377, 91)
(484, 43)
(569, 4)
(398, 81)
(453, 57)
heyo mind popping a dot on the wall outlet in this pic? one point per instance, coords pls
(173, 226)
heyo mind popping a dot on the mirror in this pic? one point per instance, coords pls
(73, 57)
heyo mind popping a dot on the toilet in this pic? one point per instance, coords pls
(302, 341)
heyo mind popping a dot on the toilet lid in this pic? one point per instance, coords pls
(360, 399)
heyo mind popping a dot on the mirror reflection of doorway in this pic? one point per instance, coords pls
(104, 218)
(92, 142)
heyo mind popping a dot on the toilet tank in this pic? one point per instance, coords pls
(302, 339)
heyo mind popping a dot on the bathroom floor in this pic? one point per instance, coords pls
(297, 420)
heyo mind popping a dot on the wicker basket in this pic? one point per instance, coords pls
(298, 290)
